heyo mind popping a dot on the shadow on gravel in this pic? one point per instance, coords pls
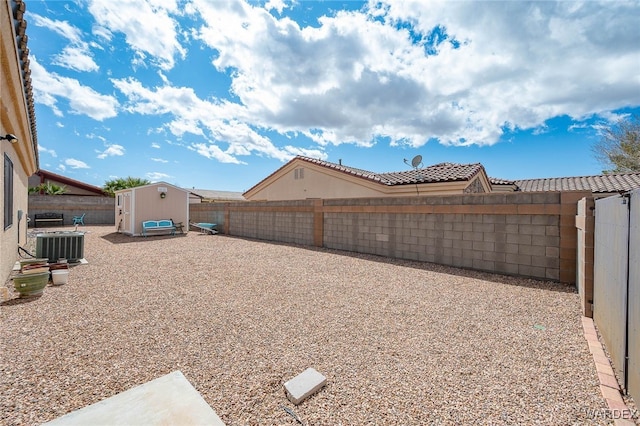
(20, 300)
(518, 281)
(117, 238)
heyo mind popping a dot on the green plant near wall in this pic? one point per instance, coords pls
(111, 186)
(48, 188)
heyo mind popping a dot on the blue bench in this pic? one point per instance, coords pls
(158, 225)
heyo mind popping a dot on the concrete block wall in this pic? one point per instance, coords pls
(585, 223)
(515, 234)
(99, 210)
(207, 213)
(527, 234)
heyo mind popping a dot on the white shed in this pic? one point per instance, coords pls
(157, 201)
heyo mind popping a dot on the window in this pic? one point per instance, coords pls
(8, 192)
(298, 173)
(119, 200)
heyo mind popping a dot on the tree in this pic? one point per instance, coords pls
(48, 188)
(113, 185)
(619, 146)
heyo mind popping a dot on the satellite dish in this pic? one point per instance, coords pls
(415, 162)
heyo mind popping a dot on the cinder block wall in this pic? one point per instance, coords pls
(207, 213)
(527, 234)
(284, 221)
(99, 210)
(585, 223)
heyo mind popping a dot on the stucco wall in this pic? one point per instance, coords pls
(14, 119)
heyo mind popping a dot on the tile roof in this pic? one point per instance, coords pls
(443, 172)
(498, 181)
(20, 26)
(596, 184)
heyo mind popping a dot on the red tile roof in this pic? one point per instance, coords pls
(443, 172)
(596, 184)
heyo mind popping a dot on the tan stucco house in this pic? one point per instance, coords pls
(303, 178)
(18, 139)
(157, 201)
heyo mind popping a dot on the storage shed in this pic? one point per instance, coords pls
(157, 201)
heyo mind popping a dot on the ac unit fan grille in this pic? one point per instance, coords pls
(54, 246)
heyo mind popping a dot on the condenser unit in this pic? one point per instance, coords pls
(60, 245)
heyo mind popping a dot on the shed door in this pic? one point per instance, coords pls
(126, 211)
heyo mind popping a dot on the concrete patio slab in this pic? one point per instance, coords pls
(167, 400)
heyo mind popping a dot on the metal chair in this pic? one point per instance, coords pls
(79, 220)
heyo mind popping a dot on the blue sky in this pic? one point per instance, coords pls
(218, 95)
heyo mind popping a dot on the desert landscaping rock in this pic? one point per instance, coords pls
(399, 342)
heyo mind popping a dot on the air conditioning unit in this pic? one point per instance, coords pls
(60, 245)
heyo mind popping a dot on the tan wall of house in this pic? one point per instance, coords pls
(13, 119)
(16, 234)
(301, 181)
(147, 205)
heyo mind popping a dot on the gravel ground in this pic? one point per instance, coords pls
(399, 342)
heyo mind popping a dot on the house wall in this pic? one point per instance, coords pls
(527, 234)
(99, 210)
(302, 180)
(14, 118)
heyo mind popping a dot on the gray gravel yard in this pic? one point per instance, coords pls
(399, 342)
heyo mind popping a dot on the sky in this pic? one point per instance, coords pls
(220, 94)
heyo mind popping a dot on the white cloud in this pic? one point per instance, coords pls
(215, 120)
(75, 58)
(159, 160)
(77, 55)
(157, 176)
(48, 87)
(51, 152)
(147, 25)
(155, 145)
(213, 151)
(112, 151)
(75, 164)
(358, 77)
(278, 5)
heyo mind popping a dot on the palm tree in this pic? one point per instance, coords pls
(113, 185)
(48, 188)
